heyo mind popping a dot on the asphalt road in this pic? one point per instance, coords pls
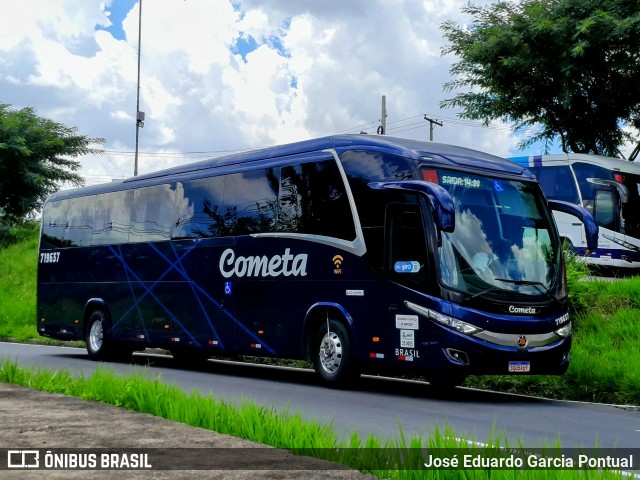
(377, 405)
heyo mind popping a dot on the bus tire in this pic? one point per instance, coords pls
(99, 345)
(332, 358)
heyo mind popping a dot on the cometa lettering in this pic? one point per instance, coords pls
(523, 310)
(263, 266)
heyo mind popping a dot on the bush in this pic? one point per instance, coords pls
(580, 293)
(12, 234)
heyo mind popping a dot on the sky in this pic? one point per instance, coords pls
(221, 76)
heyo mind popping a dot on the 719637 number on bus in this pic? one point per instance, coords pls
(49, 257)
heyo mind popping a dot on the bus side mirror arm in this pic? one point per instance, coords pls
(590, 225)
(439, 199)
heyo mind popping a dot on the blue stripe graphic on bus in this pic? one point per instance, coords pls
(218, 305)
(133, 294)
(215, 303)
(148, 291)
(177, 266)
(192, 285)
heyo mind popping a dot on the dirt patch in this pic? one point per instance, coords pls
(37, 420)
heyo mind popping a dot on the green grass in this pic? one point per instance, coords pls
(18, 270)
(604, 367)
(397, 458)
(605, 364)
(605, 354)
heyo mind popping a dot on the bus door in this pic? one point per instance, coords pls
(407, 264)
(607, 212)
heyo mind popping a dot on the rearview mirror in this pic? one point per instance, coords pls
(441, 202)
(590, 226)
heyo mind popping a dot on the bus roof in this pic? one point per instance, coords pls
(609, 163)
(435, 153)
(449, 154)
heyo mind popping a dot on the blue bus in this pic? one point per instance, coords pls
(358, 253)
(609, 188)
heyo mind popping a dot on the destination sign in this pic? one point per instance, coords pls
(460, 181)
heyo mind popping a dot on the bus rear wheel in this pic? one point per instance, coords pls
(333, 362)
(99, 345)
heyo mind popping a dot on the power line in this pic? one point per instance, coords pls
(394, 127)
(192, 154)
(399, 126)
(359, 127)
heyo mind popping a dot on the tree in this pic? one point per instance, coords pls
(569, 67)
(35, 160)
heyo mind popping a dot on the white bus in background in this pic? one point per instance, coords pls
(609, 188)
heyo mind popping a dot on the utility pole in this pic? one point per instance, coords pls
(139, 114)
(431, 123)
(382, 129)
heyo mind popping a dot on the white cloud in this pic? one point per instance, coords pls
(200, 30)
(64, 21)
(315, 68)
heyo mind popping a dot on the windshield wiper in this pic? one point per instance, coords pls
(542, 288)
(482, 292)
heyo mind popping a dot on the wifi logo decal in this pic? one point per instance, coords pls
(337, 264)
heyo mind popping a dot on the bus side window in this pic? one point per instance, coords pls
(112, 218)
(605, 209)
(313, 200)
(406, 248)
(363, 167)
(251, 201)
(54, 223)
(198, 209)
(371, 166)
(152, 213)
(557, 183)
(80, 221)
(290, 200)
(583, 172)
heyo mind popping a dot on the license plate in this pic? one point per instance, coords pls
(519, 367)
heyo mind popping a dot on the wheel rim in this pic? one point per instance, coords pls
(331, 353)
(96, 335)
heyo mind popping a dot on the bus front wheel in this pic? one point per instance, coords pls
(333, 362)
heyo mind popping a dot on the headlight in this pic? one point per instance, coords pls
(454, 323)
(565, 330)
(447, 321)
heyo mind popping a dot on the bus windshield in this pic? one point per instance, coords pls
(503, 240)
